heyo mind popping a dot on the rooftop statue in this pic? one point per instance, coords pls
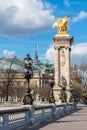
(62, 23)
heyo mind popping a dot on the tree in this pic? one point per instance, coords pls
(45, 92)
(2, 91)
(19, 92)
(83, 69)
(8, 82)
(75, 76)
(77, 90)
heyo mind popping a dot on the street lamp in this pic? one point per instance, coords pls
(51, 83)
(28, 72)
(63, 91)
(71, 90)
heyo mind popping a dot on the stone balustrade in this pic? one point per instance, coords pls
(13, 118)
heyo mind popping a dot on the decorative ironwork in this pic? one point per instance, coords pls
(51, 83)
(28, 72)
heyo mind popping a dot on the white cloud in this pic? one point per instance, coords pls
(50, 53)
(80, 16)
(78, 54)
(24, 16)
(8, 53)
(66, 2)
(79, 49)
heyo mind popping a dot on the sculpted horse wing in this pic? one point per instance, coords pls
(55, 24)
(65, 19)
(61, 23)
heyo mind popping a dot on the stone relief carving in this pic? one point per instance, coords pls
(62, 57)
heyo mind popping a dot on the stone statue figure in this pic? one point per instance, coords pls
(62, 23)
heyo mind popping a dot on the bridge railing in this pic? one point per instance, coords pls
(13, 118)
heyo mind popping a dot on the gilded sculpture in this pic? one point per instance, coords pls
(62, 23)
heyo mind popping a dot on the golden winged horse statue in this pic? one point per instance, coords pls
(61, 23)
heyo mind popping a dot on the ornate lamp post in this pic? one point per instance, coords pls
(71, 90)
(51, 83)
(28, 72)
(63, 92)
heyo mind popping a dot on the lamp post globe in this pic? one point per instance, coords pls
(28, 73)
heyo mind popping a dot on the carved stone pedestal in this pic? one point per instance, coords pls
(57, 94)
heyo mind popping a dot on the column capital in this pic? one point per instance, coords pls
(57, 47)
(68, 48)
(63, 38)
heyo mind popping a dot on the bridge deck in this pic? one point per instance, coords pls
(74, 121)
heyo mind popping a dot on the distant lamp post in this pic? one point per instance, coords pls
(71, 90)
(51, 83)
(63, 91)
(28, 72)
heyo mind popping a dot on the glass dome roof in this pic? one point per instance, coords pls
(11, 62)
(15, 63)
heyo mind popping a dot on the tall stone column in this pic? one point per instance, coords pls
(57, 88)
(67, 53)
(68, 75)
(62, 45)
(57, 65)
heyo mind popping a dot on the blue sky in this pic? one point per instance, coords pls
(24, 23)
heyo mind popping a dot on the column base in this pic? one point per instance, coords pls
(68, 95)
(57, 94)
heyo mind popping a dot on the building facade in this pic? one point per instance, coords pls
(9, 63)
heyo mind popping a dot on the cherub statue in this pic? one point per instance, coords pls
(61, 23)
